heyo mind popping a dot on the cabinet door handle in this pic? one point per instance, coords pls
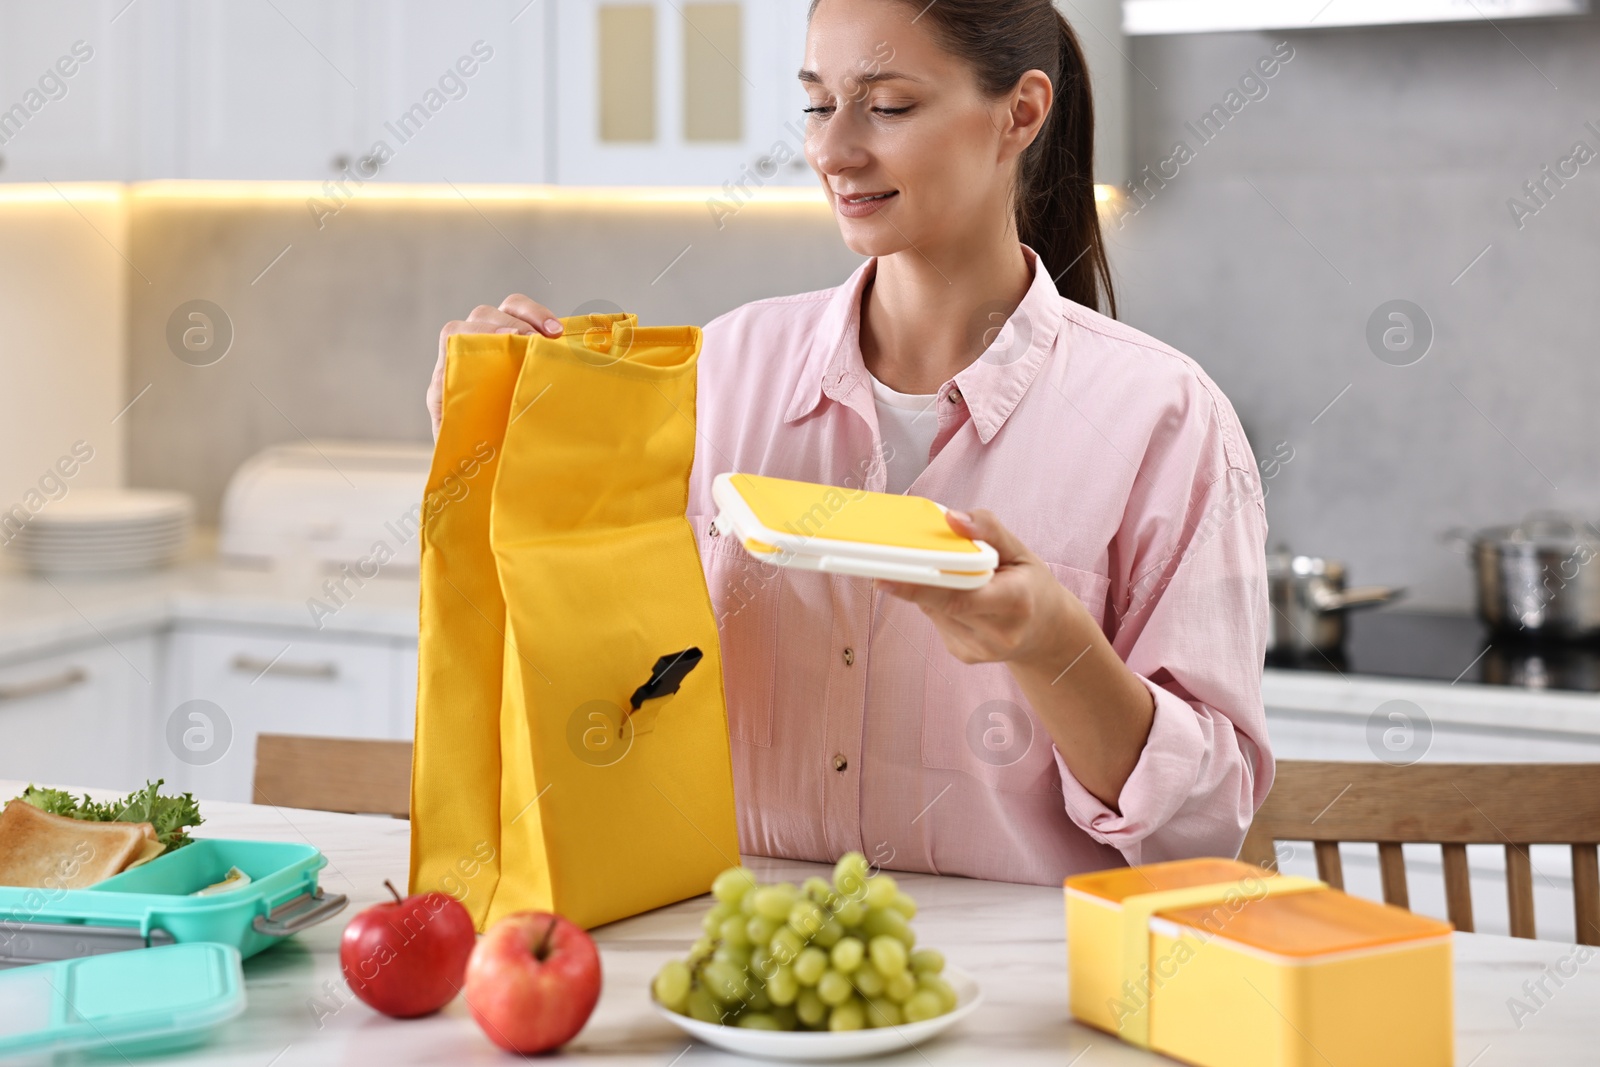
(38, 687)
(256, 667)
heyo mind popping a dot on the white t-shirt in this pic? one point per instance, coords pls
(907, 423)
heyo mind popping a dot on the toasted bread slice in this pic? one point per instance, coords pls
(47, 851)
(152, 847)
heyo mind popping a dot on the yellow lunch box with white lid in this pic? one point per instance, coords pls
(849, 531)
(1222, 964)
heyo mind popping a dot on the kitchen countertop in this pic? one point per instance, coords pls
(1452, 666)
(1010, 937)
(40, 614)
(1355, 696)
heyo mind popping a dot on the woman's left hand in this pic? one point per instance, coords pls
(1018, 616)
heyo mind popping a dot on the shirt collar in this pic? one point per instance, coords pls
(991, 385)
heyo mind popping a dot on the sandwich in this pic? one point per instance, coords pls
(47, 851)
(50, 839)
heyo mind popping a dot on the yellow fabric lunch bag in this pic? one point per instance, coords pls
(571, 748)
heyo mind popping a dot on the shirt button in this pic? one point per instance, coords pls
(849, 656)
(954, 396)
(839, 762)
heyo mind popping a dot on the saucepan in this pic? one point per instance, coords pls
(1536, 578)
(1309, 601)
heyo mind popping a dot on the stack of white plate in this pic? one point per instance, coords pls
(105, 530)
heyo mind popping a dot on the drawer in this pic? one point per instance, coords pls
(223, 689)
(79, 717)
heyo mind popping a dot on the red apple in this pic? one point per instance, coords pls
(408, 958)
(533, 981)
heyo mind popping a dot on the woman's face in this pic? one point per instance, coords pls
(894, 116)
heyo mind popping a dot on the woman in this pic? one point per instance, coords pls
(1098, 702)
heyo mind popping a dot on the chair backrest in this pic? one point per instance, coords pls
(334, 774)
(1448, 804)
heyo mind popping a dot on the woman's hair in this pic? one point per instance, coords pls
(1055, 203)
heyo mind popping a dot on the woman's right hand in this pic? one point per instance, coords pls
(516, 314)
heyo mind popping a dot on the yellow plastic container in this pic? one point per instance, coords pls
(836, 530)
(1220, 964)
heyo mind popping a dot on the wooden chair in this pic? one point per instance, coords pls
(334, 774)
(1448, 804)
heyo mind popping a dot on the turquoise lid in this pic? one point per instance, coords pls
(147, 999)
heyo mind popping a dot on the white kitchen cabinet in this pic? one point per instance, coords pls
(366, 90)
(269, 90)
(65, 112)
(292, 89)
(185, 89)
(80, 717)
(663, 92)
(385, 90)
(224, 687)
(458, 91)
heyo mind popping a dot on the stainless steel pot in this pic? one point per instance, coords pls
(1309, 602)
(1537, 578)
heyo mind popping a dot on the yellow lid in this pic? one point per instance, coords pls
(1314, 923)
(1301, 924)
(1119, 882)
(806, 509)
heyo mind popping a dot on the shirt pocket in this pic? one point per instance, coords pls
(744, 598)
(1087, 586)
(976, 720)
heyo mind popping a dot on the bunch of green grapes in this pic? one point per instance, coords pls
(819, 956)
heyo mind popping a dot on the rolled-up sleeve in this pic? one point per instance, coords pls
(1191, 624)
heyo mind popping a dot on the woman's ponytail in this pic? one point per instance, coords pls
(1057, 215)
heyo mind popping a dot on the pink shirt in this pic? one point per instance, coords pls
(1116, 460)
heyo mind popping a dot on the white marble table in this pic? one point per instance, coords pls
(1010, 937)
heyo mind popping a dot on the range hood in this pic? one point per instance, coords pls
(1216, 16)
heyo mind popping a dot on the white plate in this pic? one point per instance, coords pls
(117, 545)
(93, 534)
(48, 569)
(122, 547)
(98, 563)
(86, 564)
(814, 1045)
(107, 546)
(94, 507)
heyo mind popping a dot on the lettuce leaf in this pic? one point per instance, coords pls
(171, 816)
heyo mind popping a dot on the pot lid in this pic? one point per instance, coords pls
(1541, 530)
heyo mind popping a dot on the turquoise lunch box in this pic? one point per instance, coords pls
(152, 905)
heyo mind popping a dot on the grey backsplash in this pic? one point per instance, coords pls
(338, 338)
(1377, 166)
